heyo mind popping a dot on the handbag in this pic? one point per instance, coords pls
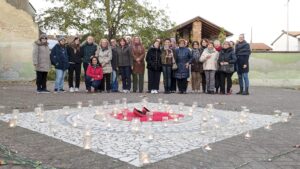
(174, 66)
(227, 68)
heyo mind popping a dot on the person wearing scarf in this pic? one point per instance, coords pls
(218, 47)
(104, 54)
(195, 67)
(138, 53)
(204, 43)
(167, 60)
(94, 75)
(75, 61)
(209, 58)
(41, 62)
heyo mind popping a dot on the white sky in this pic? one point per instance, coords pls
(266, 17)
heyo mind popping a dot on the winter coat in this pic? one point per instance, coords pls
(59, 57)
(95, 72)
(105, 57)
(168, 61)
(196, 65)
(88, 50)
(124, 56)
(227, 55)
(209, 59)
(183, 56)
(242, 52)
(114, 58)
(41, 56)
(153, 59)
(138, 67)
(74, 56)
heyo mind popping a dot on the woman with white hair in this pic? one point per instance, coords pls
(104, 54)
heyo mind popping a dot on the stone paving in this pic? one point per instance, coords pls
(265, 149)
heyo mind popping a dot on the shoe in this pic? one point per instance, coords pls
(145, 110)
(246, 92)
(72, 89)
(56, 90)
(152, 92)
(62, 90)
(241, 90)
(76, 89)
(138, 113)
(38, 91)
(156, 91)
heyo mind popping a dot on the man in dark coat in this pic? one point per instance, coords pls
(87, 50)
(243, 52)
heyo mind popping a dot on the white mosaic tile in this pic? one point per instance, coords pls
(119, 141)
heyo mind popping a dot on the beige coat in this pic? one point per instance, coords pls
(105, 59)
(210, 60)
(41, 57)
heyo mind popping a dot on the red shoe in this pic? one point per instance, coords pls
(145, 110)
(138, 113)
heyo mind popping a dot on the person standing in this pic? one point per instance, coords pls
(75, 61)
(218, 47)
(94, 74)
(209, 58)
(243, 51)
(60, 59)
(204, 43)
(138, 53)
(154, 67)
(87, 50)
(183, 60)
(104, 55)
(114, 78)
(226, 64)
(124, 64)
(41, 62)
(196, 67)
(173, 79)
(167, 60)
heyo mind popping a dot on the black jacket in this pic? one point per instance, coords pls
(59, 57)
(227, 55)
(153, 59)
(74, 57)
(88, 50)
(242, 52)
(124, 56)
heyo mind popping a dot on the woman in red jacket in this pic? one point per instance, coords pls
(94, 74)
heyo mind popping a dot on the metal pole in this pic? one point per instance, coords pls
(287, 26)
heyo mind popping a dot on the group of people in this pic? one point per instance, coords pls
(210, 64)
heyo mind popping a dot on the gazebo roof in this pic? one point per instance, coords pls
(207, 26)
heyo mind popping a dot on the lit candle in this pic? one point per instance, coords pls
(268, 127)
(144, 158)
(191, 112)
(247, 135)
(87, 141)
(207, 148)
(12, 123)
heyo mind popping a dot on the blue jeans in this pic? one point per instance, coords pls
(59, 79)
(167, 73)
(114, 81)
(126, 77)
(243, 80)
(92, 83)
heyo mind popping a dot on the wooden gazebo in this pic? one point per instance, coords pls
(196, 29)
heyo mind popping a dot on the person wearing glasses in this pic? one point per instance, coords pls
(41, 62)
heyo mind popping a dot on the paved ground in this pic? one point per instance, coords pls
(235, 152)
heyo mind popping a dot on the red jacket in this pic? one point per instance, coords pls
(95, 72)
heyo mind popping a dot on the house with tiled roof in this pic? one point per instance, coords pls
(260, 47)
(280, 43)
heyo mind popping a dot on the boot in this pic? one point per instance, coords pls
(241, 90)
(246, 92)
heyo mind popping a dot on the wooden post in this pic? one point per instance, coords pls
(197, 31)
